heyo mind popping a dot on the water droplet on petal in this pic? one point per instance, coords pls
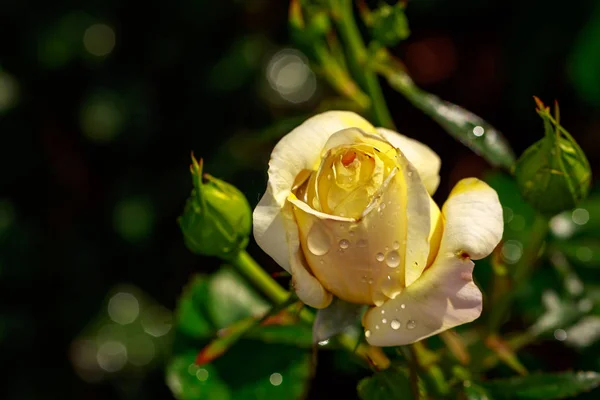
(409, 173)
(383, 311)
(376, 326)
(410, 324)
(393, 259)
(396, 245)
(395, 324)
(403, 306)
(318, 240)
(367, 333)
(384, 321)
(383, 206)
(344, 244)
(379, 257)
(370, 281)
(361, 243)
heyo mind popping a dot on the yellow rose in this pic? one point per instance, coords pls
(348, 212)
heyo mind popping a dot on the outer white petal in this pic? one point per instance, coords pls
(298, 150)
(445, 295)
(307, 287)
(425, 160)
(474, 222)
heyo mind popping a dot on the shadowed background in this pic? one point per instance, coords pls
(101, 104)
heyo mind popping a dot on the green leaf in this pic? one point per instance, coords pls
(230, 299)
(209, 304)
(463, 125)
(246, 361)
(384, 385)
(190, 382)
(543, 386)
(190, 315)
(475, 392)
(250, 370)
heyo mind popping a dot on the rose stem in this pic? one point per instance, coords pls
(343, 16)
(250, 269)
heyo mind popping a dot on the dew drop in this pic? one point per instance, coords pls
(395, 324)
(344, 244)
(383, 206)
(361, 243)
(364, 279)
(384, 321)
(376, 326)
(409, 173)
(379, 257)
(410, 324)
(351, 233)
(318, 240)
(383, 311)
(393, 259)
(396, 245)
(367, 333)
(403, 306)
(370, 281)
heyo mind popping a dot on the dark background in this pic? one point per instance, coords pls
(94, 150)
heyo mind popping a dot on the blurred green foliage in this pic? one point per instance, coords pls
(95, 145)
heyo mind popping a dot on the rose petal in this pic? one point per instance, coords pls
(418, 226)
(445, 296)
(474, 222)
(300, 149)
(307, 287)
(425, 160)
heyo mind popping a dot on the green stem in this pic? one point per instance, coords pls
(339, 78)
(252, 271)
(357, 56)
(522, 271)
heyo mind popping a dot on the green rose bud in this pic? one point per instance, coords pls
(217, 218)
(554, 173)
(390, 25)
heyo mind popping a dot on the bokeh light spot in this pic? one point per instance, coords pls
(202, 374)
(101, 118)
(157, 321)
(289, 74)
(562, 226)
(133, 219)
(9, 91)
(99, 40)
(123, 308)
(276, 379)
(584, 253)
(140, 350)
(512, 250)
(560, 334)
(112, 356)
(7, 215)
(580, 216)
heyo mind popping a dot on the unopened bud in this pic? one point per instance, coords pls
(553, 174)
(217, 218)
